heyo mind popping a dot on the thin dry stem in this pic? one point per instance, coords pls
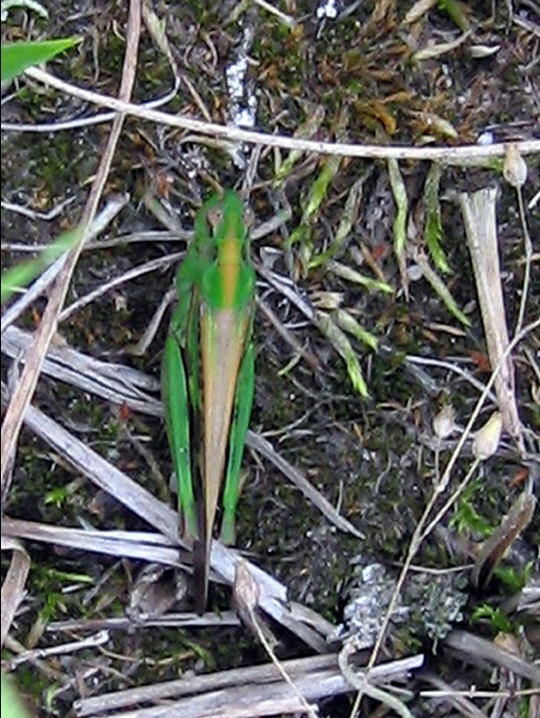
(360, 681)
(246, 594)
(260, 138)
(528, 259)
(23, 393)
(419, 534)
(42, 283)
(132, 273)
(99, 639)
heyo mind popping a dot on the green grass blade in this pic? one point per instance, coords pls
(18, 56)
(317, 194)
(318, 191)
(433, 231)
(400, 222)
(352, 275)
(305, 131)
(440, 288)
(23, 273)
(348, 218)
(344, 348)
(349, 324)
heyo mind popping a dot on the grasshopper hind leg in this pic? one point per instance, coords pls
(240, 423)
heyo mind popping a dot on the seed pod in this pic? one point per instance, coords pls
(486, 440)
(515, 167)
(444, 422)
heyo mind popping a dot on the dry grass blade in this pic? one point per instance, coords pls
(273, 595)
(42, 283)
(25, 389)
(131, 544)
(474, 648)
(13, 585)
(420, 7)
(317, 677)
(115, 382)
(99, 639)
(219, 706)
(481, 229)
(429, 53)
(54, 675)
(168, 620)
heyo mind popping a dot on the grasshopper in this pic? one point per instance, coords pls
(208, 376)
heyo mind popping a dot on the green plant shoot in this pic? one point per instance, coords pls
(208, 376)
(19, 56)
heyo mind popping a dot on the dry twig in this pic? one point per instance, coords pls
(23, 393)
(316, 677)
(474, 648)
(444, 154)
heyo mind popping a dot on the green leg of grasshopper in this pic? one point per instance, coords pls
(176, 395)
(242, 411)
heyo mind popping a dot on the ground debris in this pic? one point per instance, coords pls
(429, 606)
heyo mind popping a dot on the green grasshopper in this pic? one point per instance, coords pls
(208, 376)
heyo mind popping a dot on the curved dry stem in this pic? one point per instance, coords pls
(448, 154)
(360, 680)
